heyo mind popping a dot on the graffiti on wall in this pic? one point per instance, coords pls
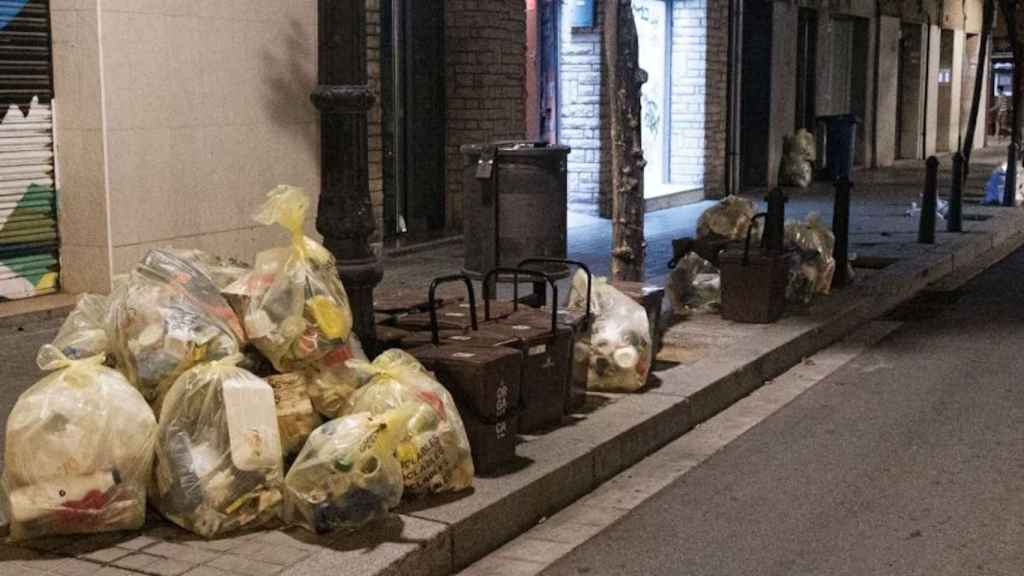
(29, 260)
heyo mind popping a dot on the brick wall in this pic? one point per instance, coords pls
(689, 52)
(715, 98)
(486, 81)
(583, 122)
(374, 127)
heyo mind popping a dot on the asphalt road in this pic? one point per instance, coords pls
(907, 461)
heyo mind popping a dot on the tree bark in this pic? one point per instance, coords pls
(625, 77)
(988, 16)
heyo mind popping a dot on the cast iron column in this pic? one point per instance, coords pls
(345, 218)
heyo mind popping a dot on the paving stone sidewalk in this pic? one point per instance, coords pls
(427, 537)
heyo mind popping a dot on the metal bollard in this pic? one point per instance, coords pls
(1010, 191)
(954, 219)
(841, 229)
(926, 231)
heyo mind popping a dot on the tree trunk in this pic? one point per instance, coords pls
(988, 15)
(622, 57)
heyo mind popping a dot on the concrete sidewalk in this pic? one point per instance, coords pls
(707, 365)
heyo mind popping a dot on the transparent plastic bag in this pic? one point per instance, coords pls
(168, 317)
(78, 451)
(694, 284)
(996, 185)
(727, 220)
(223, 272)
(435, 454)
(83, 333)
(813, 266)
(347, 473)
(620, 337)
(331, 382)
(799, 146)
(795, 172)
(296, 416)
(295, 309)
(218, 455)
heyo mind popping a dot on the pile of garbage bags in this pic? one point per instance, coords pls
(798, 154)
(996, 186)
(620, 336)
(228, 397)
(695, 284)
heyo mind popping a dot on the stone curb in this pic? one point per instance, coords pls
(572, 461)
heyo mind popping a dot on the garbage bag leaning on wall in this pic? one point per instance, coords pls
(218, 455)
(167, 317)
(812, 264)
(620, 336)
(84, 332)
(295, 309)
(347, 474)
(435, 454)
(727, 220)
(78, 451)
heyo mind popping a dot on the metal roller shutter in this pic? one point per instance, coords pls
(29, 259)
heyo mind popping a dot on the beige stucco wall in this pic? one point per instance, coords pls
(173, 119)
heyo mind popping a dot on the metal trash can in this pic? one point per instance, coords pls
(840, 144)
(514, 204)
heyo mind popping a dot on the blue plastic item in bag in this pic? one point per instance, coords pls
(994, 187)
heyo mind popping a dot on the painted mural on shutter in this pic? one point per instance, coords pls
(29, 259)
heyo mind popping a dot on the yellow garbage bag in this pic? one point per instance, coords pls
(347, 473)
(435, 454)
(167, 317)
(295, 309)
(218, 454)
(78, 451)
(331, 382)
(84, 332)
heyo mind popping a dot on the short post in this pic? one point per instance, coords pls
(841, 230)
(926, 231)
(954, 218)
(1010, 191)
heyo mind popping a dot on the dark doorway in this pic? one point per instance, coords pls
(755, 90)
(909, 108)
(806, 76)
(414, 117)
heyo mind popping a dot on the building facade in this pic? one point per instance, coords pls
(131, 124)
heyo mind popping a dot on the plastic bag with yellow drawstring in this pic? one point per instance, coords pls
(78, 451)
(812, 263)
(294, 307)
(218, 454)
(347, 474)
(435, 453)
